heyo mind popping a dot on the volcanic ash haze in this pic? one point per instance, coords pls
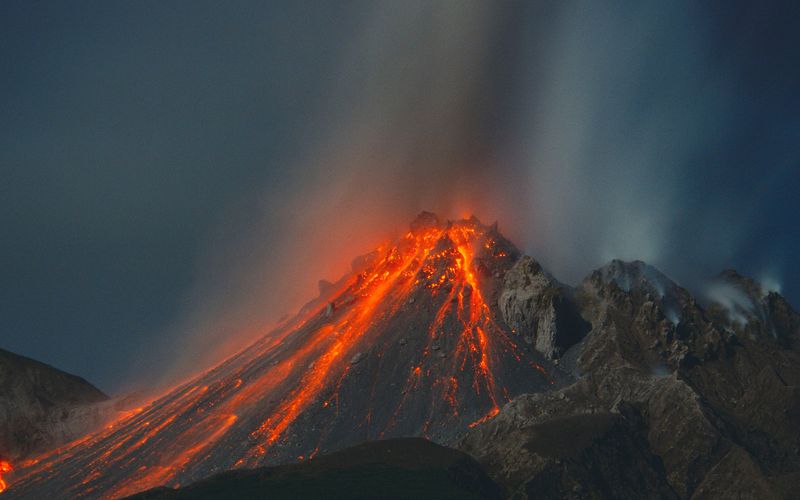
(410, 343)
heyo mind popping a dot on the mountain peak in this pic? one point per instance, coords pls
(411, 343)
(635, 276)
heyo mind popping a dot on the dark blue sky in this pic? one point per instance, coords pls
(133, 133)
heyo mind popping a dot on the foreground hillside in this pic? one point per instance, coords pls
(391, 469)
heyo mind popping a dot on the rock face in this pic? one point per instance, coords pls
(540, 309)
(647, 321)
(672, 399)
(42, 407)
(744, 307)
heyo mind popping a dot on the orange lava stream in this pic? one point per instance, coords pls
(123, 440)
(350, 327)
(162, 474)
(478, 330)
(5, 466)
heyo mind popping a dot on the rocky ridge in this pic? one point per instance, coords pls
(672, 399)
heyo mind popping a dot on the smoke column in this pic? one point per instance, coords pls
(585, 131)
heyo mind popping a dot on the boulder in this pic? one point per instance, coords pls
(540, 308)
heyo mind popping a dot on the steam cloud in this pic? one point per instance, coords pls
(580, 129)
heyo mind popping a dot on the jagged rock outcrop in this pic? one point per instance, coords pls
(696, 402)
(540, 309)
(743, 306)
(643, 319)
(42, 407)
(425, 221)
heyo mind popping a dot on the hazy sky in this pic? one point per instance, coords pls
(175, 173)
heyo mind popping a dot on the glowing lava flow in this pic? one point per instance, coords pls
(349, 328)
(5, 466)
(407, 345)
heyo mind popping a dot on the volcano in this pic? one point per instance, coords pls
(411, 342)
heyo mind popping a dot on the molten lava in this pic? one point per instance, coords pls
(5, 466)
(409, 344)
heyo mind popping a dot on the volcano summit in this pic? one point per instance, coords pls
(410, 343)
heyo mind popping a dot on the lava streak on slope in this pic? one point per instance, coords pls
(410, 343)
(5, 467)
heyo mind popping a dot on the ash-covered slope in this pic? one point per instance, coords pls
(410, 344)
(42, 407)
(673, 400)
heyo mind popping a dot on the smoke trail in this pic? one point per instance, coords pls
(404, 130)
(621, 111)
(578, 127)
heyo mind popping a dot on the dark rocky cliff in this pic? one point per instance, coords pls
(672, 399)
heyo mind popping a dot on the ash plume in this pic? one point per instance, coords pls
(587, 132)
